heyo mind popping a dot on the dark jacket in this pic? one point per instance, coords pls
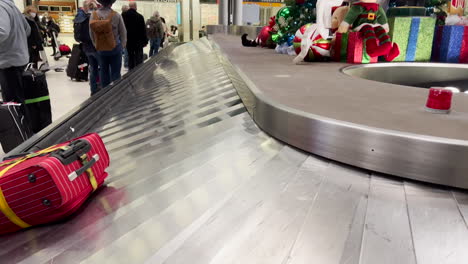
(154, 28)
(81, 31)
(136, 29)
(51, 26)
(35, 38)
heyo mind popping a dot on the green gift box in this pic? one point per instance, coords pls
(425, 38)
(414, 36)
(400, 31)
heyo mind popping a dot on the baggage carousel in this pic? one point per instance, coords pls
(193, 179)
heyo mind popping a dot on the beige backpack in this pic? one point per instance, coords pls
(102, 31)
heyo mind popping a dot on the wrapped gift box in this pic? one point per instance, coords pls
(450, 44)
(340, 47)
(399, 32)
(350, 48)
(414, 36)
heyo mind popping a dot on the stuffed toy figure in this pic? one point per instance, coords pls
(264, 37)
(368, 17)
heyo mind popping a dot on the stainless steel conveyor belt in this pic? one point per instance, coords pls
(194, 180)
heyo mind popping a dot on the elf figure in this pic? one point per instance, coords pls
(369, 18)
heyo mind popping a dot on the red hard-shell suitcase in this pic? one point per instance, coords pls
(50, 184)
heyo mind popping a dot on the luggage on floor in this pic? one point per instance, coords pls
(14, 129)
(77, 68)
(50, 184)
(37, 98)
(64, 49)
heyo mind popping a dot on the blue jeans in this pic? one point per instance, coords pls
(93, 61)
(154, 46)
(110, 63)
(125, 55)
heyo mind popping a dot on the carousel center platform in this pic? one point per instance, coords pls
(321, 108)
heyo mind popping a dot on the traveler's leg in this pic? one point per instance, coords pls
(116, 65)
(93, 71)
(157, 43)
(131, 59)
(104, 69)
(139, 56)
(11, 81)
(151, 52)
(125, 58)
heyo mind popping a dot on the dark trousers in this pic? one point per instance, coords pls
(135, 57)
(11, 81)
(154, 46)
(93, 71)
(110, 65)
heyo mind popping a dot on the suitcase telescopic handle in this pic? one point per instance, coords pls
(72, 176)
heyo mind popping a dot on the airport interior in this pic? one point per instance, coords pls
(234, 131)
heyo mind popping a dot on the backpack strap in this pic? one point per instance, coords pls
(111, 15)
(95, 15)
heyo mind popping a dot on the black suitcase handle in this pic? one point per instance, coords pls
(72, 152)
(72, 176)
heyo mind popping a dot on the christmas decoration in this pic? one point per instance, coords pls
(325, 9)
(290, 18)
(310, 45)
(285, 48)
(369, 18)
(340, 47)
(400, 28)
(350, 47)
(264, 38)
(451, 44)
(437, 8)
(414, 36)
(456, 7)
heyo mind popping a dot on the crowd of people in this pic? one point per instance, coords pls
(126, 33)
(104, 34)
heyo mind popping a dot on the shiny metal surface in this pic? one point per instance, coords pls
(413, 156)
(194, 180)
(425, 75)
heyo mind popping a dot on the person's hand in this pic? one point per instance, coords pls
(343, 29)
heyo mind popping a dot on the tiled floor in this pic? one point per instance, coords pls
(65, 94)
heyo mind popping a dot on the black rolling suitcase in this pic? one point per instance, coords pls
(14, 129)
(37, 100)
(77, 68)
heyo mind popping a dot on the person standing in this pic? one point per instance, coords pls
(53, 29)
(136, 35)
(125, 53)
(82, 36)
(155, 33)
(109, 37)
(14, 31)
(166, 32)
(34, 39)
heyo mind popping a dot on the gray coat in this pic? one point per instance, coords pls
(14, 32)
(154, 28)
